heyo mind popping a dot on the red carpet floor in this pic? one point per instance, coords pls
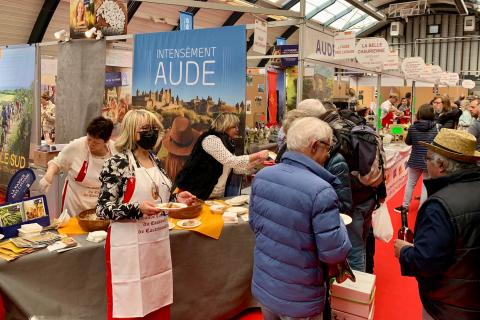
(397, 296)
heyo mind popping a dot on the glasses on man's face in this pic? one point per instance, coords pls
(437, 102)
(328, 145)
(148, 128)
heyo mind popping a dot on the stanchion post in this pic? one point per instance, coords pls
(301, 57)
(379, 99)
(414, 98)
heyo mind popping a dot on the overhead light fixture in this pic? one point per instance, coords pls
(91, 32)
(59, 35)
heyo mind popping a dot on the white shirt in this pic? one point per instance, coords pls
(386, 106)
(213, 145)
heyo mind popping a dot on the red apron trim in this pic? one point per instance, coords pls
(64, 194)
(129, 190)
(83, 172)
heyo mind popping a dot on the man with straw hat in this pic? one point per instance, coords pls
(446, 250)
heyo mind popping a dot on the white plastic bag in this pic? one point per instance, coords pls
(382, 224)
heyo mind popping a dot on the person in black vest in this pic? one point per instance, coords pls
(446, 250)
(206, 170)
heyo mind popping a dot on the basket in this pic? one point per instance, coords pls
(89, 224)
(189, 212)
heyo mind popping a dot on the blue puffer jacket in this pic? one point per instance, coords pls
(294, 214)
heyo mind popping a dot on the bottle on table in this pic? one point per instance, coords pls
(404, 233)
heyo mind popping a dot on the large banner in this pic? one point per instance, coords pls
(188, 78)
(17, 75)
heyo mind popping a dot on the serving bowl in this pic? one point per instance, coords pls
(89, 221)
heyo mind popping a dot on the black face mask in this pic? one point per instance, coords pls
(148, 139)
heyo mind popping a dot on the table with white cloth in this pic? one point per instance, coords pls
(211, 278)
(397, 155)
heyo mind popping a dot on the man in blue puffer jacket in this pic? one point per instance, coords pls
(294, 214)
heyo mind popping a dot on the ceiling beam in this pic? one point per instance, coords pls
(132, 7)
(287, 34)
(289, 5)
(315, 11)
(367, 9)
(461, 7)
(43, 20)
(234, 17)
(338, 16)
(351, 23)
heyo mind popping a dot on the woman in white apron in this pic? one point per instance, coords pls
(139, 266)
(82, 160)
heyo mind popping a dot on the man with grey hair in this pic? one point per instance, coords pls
(446, 250)
(298, 230)
(313, 106)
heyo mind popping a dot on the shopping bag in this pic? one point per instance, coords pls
(382, 224)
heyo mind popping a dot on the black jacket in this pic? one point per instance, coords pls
(337, 166)
(449, 119)
(421, 130)
(201, 171)
(454, 293)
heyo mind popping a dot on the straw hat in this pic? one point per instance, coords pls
(180, 139)
(360, 107)
(455, 144)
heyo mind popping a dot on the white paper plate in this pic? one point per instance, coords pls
(238, 210)
(213, 203)
(346, 219)
(189, 223)
(171, 225)
(1, 236)
(238, 201)
(171, 206)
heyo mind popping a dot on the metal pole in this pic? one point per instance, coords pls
(414, 98)
(36, 113)
(301, 57)
(379, 99)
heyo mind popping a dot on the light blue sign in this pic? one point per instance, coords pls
(281, 41)
(186, 20)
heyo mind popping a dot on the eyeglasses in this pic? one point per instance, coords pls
(437, 102)
(148, 128)
(328, 145)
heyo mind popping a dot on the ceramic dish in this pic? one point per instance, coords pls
(346, 219)
(189, 223)
(238, 210)
(171, 225)
(171, 206)
(218, 208)
(238, 201)
(213, 203)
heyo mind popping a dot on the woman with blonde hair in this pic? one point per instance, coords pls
(208, 167)
(137, 248)
(446, 115)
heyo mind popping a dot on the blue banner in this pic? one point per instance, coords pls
(281, 41)
(113, 79)
(186, 21)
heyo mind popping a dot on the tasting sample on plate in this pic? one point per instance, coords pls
(171, 206)
(189, 223)
(238, 201)
(346, 219)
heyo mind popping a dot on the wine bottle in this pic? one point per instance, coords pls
(404, 233)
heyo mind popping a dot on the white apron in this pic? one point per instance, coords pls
(82, 187)
(141, 264)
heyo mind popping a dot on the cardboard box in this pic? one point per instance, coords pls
(360, 291)
(41, 158)
(340, 315)
(362, 310)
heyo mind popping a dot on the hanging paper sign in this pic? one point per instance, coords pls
(319, 45)
(392, 62)
(186, 21)
(453, 79)
(413, 67)
(468, 84)
(18, 185)
(372, 52)
(260, 37)
(444, 78)
(431, 73)
(344, 45)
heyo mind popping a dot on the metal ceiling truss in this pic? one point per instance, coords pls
(132, 7)
(352, 23)
(367, 9)
(43, 20)
(339, 16)
(317, 10)
(289, 5)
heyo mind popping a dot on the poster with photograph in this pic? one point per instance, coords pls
(261, 87)
(320, 84)
(11, 214)
(34, 209)
(187, 78)
(248, 106)
(108, 16)
(17, 74)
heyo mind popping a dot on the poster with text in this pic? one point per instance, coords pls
(17, 75)
(187, 78)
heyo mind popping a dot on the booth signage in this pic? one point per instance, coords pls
(431, 73)
(413, 67)
(20, 182)
(260, 37)
(319, 45)
(392, 62)
(17, 80)
(119, 58)
(468, 84)
(285, 49)
(193, 74)
(186, 21)
(344, 45)
(453, 79)
(372, 52)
